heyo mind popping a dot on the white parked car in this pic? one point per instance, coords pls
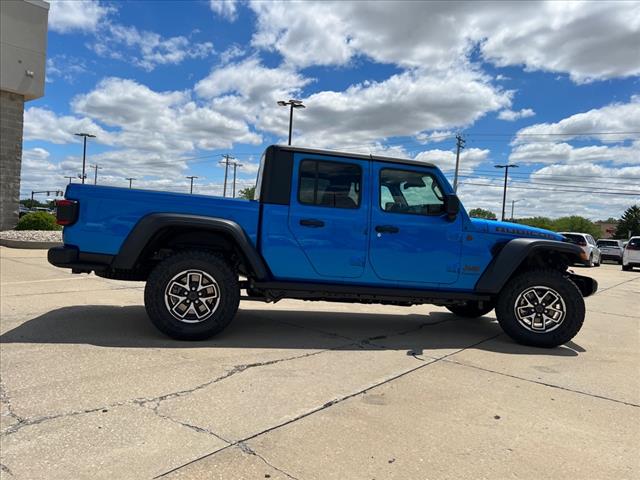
(588, 244)
(611, 249)
(631, 254)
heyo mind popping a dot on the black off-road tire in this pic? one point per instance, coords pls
(563, 286)
(626, 268)
(163, 274)
(471, 309)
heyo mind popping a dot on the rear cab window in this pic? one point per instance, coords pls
(329, 184)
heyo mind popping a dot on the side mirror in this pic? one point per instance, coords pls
(451, 205)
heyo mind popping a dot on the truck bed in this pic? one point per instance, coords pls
(108, 214)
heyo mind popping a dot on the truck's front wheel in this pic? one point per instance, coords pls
(192, 295)
(542, 308)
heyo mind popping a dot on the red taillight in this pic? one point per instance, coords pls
(633, 246)
(66, 212)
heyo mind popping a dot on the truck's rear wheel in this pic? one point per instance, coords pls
(542, 308)
(192, 295)
(471, 309)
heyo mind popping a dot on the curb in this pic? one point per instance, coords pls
(5, 242)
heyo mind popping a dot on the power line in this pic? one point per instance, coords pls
(554, 189)
(225, 162)
(559, 185)
(459, 146)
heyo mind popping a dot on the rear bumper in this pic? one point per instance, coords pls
(79, 262)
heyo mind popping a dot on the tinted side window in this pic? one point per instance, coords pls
(405, 191)
(329, 184)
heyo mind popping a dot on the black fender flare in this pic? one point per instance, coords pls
(511, 256)
(149, 225)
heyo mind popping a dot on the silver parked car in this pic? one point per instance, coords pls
(631, 255)
(588, 245)
(611, 249)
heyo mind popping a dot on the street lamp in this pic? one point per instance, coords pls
(293, 104)
(84, 152)
(191, 178)
(504, 193)
(70, 178)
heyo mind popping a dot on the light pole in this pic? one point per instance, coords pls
(191, 178)
(506, 173)
(84, 151)
(235, 167)
(70, 178)
(131, 179)
(293, 104)
(513, 202)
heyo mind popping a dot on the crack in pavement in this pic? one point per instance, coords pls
(594, 395)
(249, 451)
(6, 400)
(64, 292)
(5, 469)
(142, 401)
(330, 404)
(614, 286)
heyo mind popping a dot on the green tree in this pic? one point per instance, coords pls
(482, 213)
(629, 224)
(576, 223)
(247, 193)
(539, 222)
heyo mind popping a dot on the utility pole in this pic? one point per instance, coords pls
(235, 167)
(84, 152)
(506, 173)
(131, 179)
(225, 162)
(95, 174)
(70, 178)
(191, 178)
(513, 202)
(293, 104)
(459, 146)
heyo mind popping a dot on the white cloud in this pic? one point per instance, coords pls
(224, 8)
(43, 124)
(76, 15)
(511, 115)
(435, 136)
(546, 152)
(147, 49)
(446, 160)
(587, 40)
(65, 67)
(613, 118)
(405, 104)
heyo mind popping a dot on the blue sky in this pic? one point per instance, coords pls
(168, 87)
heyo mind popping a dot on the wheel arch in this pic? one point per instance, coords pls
(173, 230)
(523, 254)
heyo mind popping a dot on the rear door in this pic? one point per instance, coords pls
(412, 240)
(329, 213)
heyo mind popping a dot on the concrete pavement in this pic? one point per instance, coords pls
(307, 390)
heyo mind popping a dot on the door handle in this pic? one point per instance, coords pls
(387, 229)
(311, 222)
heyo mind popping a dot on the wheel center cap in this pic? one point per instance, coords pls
(539, 308)
(192, 296)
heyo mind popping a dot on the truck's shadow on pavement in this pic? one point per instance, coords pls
(129, 327)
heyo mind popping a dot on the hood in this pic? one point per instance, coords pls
(513, 229)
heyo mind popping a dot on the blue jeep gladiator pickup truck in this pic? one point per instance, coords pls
(325, 226)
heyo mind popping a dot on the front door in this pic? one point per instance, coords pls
(329, 214)
(412, 241)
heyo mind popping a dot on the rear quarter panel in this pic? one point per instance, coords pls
(108, 214)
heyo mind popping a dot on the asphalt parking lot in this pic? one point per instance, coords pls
(308, 390)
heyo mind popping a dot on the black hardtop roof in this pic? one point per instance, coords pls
(360, 156)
